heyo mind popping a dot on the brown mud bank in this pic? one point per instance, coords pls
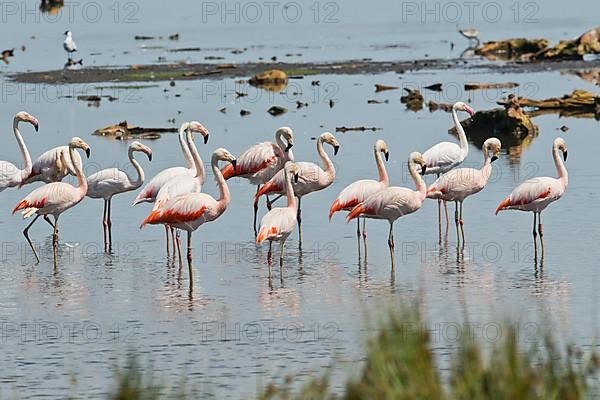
(165, 72)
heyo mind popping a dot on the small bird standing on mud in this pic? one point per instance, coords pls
(69, 44)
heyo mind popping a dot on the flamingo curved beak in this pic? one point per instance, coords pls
(565, 155)
(234, 163)
(206, 139)
(150, 156)
(387, 155)
(470, 111)
(423, 169)
(296, 177)
(35, 124)
(494, 158)
(336, 148)
(288, 147)
(88, 151)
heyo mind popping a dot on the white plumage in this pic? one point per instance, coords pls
(69, 44)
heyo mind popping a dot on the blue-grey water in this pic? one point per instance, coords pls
(66, 329)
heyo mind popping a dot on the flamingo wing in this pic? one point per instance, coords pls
(277, 224)
(457, 184)
(180, 184)
(255, 159)
(353, 194)
(443, 156)
(51, 198)
(530, 192)
(389, 203)
(149, 192)
(183, 209)
(107, 182)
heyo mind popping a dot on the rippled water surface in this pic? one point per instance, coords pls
(65, 329)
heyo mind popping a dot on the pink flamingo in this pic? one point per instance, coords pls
(182, 184)
(55, 198)
(190, 211)
(53, 166)
(150, 191)
(106, 183)
(10, 174)
(394, 202)
(311, 179)
(536, 194)
(458, 184)
(444, 156)
(359, 191)
(279, 222)
(262, 161)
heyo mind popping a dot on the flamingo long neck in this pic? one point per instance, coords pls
(280, 141)
(198, 163)
(329, 167)
(419, 183)
(383, 175)
(189, 162)
(486, 170)
(560, 166)
(462, 137)
(26, 157)
(289, 190)
(82, 187)
(224, 196)
(138, 168)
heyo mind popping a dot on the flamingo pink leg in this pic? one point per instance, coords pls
(256, 211)
(391, 242)
(178, 237)
(189, 259)
(55, 240)
(109, 226)
(26, 234)
(173, 240)
(299, 218)
(167, 234)
(535, 233)
(105, 224)
(541, 232)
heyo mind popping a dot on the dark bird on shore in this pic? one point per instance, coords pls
(5, 54)
(73, 63)
(471, 34)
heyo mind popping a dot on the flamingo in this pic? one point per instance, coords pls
(10, 174)
(444, 156)
(150, 191)
(191, 210)
(279, 222)
(537, 193)
(359, 191)
(262, 161)
(55, 198)
(311, 179)
(108, 182)
(53, 166)
(183, 183)
(458, 184)
(394, 202)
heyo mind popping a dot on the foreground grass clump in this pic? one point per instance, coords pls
(133, 383)
(400, 365)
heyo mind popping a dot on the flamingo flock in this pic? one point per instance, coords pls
(180, 205)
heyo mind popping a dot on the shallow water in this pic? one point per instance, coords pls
(65, 329)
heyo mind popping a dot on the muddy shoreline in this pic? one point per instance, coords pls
(165, 72)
